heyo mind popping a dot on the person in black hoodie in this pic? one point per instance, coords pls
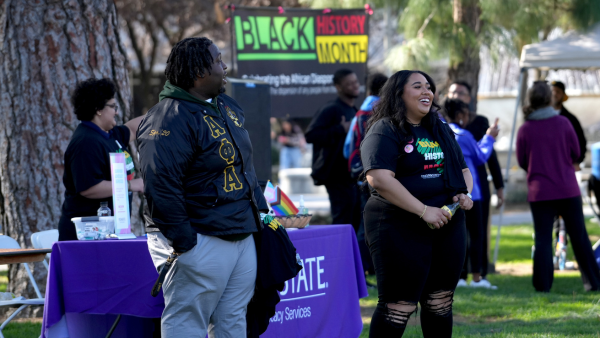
(327, 133)
(478, 126)
(558, 97)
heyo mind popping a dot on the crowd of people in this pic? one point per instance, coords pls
(409, 175)
(405, 158)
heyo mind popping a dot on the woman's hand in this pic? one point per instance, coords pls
(436, 217)
(494, 129)
(136, 185)
(465, 202)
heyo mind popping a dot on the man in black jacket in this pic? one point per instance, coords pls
(558, 97)
(478, 126)
(203, 197)
(327, 133)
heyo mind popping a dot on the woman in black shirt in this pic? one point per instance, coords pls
(87, 176)
(414, 167)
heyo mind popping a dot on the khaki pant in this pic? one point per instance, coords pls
(208, 288)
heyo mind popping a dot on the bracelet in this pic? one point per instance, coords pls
(423, 212)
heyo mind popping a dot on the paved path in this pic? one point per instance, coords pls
(319, 204)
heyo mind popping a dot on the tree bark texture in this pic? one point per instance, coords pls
(46, 47)
(465, 64)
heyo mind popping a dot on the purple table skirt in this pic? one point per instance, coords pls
(115, 277)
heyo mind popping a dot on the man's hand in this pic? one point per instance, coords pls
(576, 166)
(494, 129)
(345, 124)
(465, 202)
(500, 195)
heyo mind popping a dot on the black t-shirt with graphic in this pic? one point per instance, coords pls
(417, 161)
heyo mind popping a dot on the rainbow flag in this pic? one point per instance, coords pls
(283, 206)
(270, 192)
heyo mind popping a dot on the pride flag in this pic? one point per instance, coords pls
(283, 206)
(270, 192)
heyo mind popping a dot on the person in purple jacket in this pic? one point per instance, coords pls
(476, 154)
(547, 147)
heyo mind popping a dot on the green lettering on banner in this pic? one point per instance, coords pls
(276, 56)
(265, 37)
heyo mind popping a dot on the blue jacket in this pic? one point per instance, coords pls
(475, 153)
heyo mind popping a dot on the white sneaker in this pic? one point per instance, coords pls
(483, 283)
(462, 283)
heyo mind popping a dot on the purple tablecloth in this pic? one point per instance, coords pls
(115, 277)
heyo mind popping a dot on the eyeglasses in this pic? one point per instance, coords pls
(113, 106)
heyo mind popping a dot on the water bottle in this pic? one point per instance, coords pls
(302, 210)
(451, 209)
(561, 250)
(104, 209)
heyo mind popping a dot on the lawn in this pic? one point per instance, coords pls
(515, 309)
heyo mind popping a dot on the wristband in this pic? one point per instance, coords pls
(423, 214)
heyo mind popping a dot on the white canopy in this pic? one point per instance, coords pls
(573, 50)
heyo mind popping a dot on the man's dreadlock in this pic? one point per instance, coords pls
(189, 58)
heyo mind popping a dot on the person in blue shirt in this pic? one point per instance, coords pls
(475, 153)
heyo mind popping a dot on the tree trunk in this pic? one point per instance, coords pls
(46, 47)
(465, 62)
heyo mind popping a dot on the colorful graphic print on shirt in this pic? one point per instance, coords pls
(431, 151)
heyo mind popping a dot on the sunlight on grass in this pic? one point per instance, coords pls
(515, 309)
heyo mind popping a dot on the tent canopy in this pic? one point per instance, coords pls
(573, 51)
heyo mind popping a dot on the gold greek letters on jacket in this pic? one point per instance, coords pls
(232, 182)
(215, 129)
(227, 151)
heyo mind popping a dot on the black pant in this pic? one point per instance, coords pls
(365, 255)
(345, 203)
(571, 211)
(475, 232)
(414, 264)
(485, 249)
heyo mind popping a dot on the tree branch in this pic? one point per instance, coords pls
(425, 23)
(136, 48)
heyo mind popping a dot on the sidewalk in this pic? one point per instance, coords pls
(319, 204)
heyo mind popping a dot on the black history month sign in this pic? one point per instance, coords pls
(297, 51)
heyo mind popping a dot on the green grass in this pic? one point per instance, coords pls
(515, 309)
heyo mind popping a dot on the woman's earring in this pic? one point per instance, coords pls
(460, 122)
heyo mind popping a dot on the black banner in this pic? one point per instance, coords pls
(297, 51)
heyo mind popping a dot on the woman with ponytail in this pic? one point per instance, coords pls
(414, 166)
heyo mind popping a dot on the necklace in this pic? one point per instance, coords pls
(413, 124)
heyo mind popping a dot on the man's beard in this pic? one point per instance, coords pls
(222, 90)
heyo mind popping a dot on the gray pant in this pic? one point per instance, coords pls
(208, 288)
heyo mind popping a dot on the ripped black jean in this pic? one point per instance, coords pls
(414, 264)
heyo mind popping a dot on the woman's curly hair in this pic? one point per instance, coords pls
(91, 96)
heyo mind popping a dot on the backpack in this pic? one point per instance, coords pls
(355, 165)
